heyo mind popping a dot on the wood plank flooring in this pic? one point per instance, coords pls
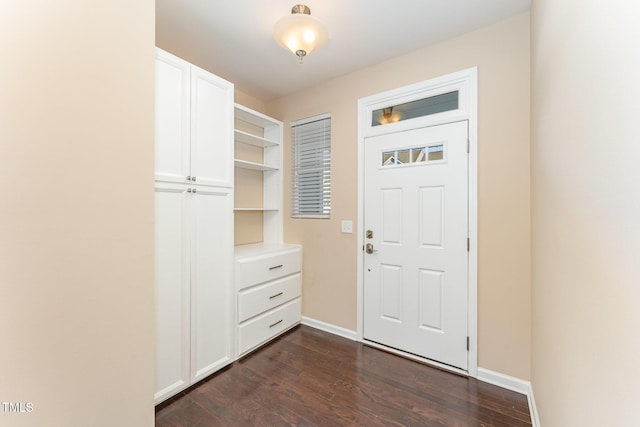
(312, 378)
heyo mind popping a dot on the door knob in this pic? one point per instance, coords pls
(369, 248)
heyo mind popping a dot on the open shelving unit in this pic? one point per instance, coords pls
(258, 141)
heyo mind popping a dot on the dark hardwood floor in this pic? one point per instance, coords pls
(312, 378)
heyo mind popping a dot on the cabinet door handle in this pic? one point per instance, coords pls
(275, 296)
(194, 190)
(193, 178)
(277, 323)
(274, 267)
(188, 178)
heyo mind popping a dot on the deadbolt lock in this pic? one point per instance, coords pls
(369, 234)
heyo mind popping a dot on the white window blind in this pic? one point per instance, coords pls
(311, 157)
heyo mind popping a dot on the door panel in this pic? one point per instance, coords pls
(172, 118)
(391, 215)
(172, 290)
(431, 293)
(431, 216)
(391, 285)
(415, 291)
(211, 299)
(211, 129)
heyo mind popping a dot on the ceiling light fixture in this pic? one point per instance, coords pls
(300, 32)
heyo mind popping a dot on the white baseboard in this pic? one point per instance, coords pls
(535, 420)
(514, 384)
(332, 329)
(504, 381)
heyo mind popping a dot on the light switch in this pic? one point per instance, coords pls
(347, 227)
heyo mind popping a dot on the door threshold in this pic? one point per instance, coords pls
(416, 358)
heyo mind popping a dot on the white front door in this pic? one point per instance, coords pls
(416, 222)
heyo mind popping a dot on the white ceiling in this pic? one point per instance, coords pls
(232, 38)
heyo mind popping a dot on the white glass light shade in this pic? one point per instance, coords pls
(300, 32)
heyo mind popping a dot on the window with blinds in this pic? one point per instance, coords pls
(311, 169)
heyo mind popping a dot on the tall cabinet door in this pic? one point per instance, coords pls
(172, 156)
(193, 224)
(172, 292)
(211, 129)
(211, 293)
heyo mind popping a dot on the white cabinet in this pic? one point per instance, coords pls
(268, 273)
(194, 295)
(269, 286)
(196, 300)
(194, 124)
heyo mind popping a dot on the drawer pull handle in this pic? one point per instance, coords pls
(275, 296)
(277, 323)
(274, 267)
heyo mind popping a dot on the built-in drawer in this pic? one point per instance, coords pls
(253, 301)
(262, 268)
(262, 328)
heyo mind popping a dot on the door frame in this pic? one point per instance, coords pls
(466, 82)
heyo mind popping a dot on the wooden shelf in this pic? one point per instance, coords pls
(247, 138)
(253, 117)
(243, 164)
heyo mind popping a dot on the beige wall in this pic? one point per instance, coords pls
(76, 223)
(501, 53)
(586, 212)
(250, 101)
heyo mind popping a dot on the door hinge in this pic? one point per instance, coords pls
(468, 244)
(467, 343)
(468, 145)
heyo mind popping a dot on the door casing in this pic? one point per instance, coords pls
(466, 82)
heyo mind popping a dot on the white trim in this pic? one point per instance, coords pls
(504, 381)
(328, 216)
(466, 81)
(327, 327)
(533, 409)
(513, 384)
(310, 119)
(472, 186)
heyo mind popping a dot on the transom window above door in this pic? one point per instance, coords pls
(414, 109)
